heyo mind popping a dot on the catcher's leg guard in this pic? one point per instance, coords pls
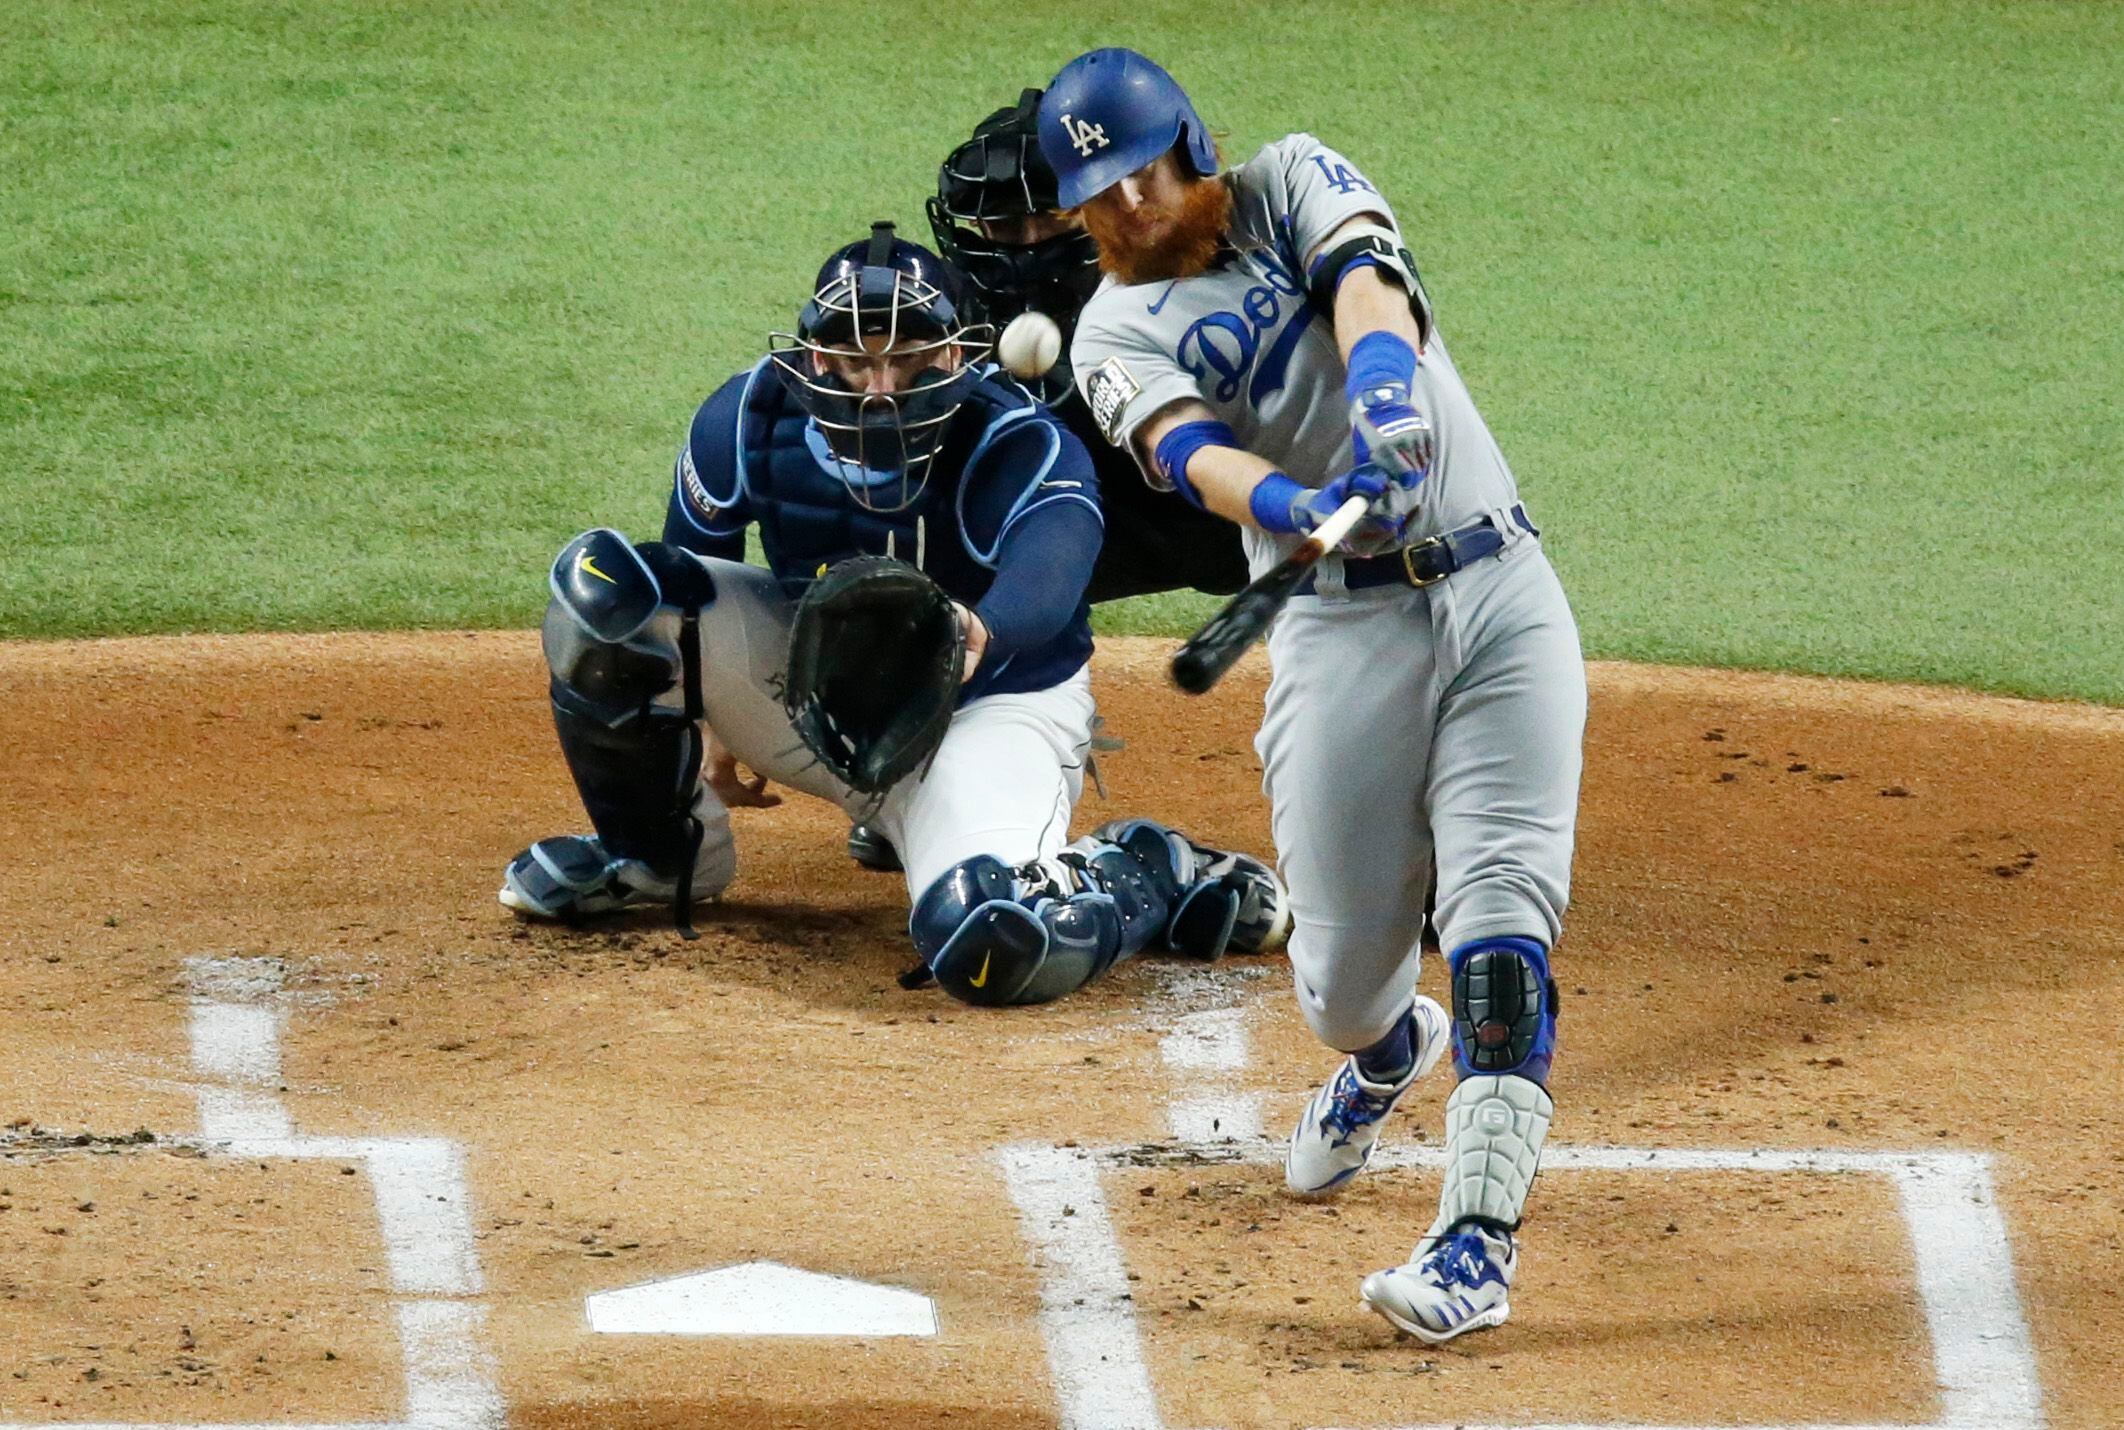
(615, 646)
(1223, 899)
(994, 935)
(1504, 1036)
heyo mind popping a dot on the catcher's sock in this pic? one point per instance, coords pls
(1388, 1061)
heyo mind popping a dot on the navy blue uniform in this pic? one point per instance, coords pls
(1008, 522)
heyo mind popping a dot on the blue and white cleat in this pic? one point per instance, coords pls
(1335, 1135)
(572, 876)
(1452, 1284)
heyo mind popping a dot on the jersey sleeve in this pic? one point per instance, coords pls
(1125, 375)
(1042, 570)
(709, 511)
(1314, 191)
(1025, 463)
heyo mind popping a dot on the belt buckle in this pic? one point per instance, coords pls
(1408, 563)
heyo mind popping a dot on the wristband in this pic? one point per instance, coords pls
(1379, 359)
(1271, 502)
(1176, 447)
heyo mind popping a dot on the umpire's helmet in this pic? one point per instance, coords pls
(1111, 112)
(997, 176)
(887, 301)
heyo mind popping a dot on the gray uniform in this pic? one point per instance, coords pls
(1402, 723)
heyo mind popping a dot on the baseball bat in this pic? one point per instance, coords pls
(1211, 651)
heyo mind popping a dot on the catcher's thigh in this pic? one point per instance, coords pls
(1003, 783)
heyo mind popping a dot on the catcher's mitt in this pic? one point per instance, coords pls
(874, 662)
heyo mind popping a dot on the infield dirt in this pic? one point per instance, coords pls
(1806, 914)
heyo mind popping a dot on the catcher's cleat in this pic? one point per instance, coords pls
(873, 850)
(1339, 1128)
(573, 877)
(1452, 1284)
(1228, 901)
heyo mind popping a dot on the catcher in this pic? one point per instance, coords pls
(916, 651)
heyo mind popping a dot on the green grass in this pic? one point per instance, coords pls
(1800, 324)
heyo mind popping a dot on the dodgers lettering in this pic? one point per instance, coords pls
(1225, 343)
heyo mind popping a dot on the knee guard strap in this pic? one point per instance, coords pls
(1504, 1009)
(1219, 899)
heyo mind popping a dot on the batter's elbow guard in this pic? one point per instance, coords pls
(987, 946)
(1504, 1009)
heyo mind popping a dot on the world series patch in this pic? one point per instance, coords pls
(1107, 392)
(690, 483)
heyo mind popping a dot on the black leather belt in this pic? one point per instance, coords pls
(1429, 561)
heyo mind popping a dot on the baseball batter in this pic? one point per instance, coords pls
(1263, 345)
(873, 430)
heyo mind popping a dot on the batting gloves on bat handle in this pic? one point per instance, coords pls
(1283, 506)
(1385, 426)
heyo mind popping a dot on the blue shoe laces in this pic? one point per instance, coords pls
(1351, 1107)
(1462, 1260)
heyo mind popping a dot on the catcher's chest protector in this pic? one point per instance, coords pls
(809, 522)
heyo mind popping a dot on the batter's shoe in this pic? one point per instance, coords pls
(1453, 1284)
(573, 877)
(1226, 901)
(873, 850)
(1335, 1135)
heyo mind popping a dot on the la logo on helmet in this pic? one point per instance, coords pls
(1086, 137)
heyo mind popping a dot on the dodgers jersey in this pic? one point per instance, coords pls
(1244, 339)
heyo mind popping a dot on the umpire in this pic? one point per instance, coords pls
(998, 220)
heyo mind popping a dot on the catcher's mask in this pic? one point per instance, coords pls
(995, 179)
(881, 359)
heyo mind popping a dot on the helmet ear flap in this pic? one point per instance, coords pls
(1201, 147)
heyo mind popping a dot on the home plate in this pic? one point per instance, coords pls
(761, 1298)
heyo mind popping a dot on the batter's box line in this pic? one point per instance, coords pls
(1983, 1358)
(423, 1210)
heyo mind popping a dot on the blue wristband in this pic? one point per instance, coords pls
(1271, 503)
(1180, 444)
(1379, 359)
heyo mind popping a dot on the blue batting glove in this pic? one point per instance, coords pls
(1376, 533)
(1386, 428)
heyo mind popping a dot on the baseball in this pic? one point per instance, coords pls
(1030, 345)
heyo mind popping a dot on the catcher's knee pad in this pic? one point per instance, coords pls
(1219, 898)
(993, 935)
(1504, 1009)
(612, 640)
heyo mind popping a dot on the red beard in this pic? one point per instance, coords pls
(1182, 249)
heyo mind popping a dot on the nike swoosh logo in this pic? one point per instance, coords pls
(1159, 306)
(981, 979)
(584, 563)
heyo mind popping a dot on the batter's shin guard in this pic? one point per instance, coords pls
(1504, 1037)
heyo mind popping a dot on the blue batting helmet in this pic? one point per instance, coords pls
(1108, 114)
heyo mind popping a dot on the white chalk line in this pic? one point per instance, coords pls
(423, 1210)
(1983, 1356)
(1212, 1043)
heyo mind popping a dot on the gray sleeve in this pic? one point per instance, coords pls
(1125, 375)
(1316, 191)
